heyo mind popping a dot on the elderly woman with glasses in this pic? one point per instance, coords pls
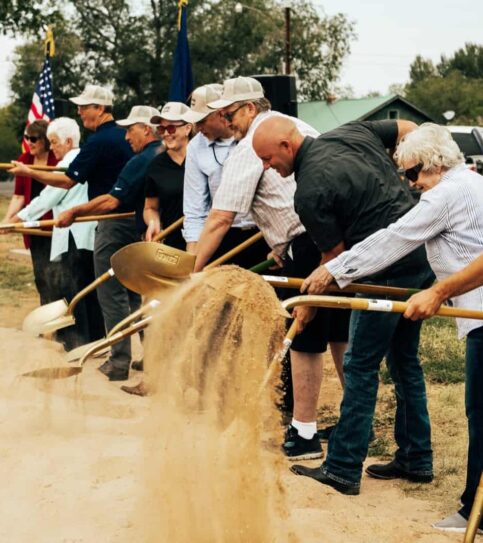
(449, 221)
(72, 247)
(26, 189)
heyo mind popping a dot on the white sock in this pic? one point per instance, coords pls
(307, 430)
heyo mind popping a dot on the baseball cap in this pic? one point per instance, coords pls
(237, 90)
(199, 102)
(93, 94)
(172, 111)
(139, 114)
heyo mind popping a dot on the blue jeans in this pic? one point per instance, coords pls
(474, 413)
(372, 335)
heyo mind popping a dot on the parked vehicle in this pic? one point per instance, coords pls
(470, 141)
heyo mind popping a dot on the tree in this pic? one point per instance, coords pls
(133, 50)
(10, 147)
(421, 69)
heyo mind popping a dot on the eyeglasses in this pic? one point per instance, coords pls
(413, 173)
(31, 139)
(230, 114)
(170, 129)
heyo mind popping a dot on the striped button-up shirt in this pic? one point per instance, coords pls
(202, 177)
(448, 219)
(245, 187)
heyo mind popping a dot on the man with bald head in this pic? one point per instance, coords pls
(348, 188)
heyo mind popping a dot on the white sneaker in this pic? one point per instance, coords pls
(453, 523)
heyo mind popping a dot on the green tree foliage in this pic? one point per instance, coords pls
(10, 147)
(455, 83)
(130, 46)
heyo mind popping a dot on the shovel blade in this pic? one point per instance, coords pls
(79, 352)
(53, 373)
(37, 321)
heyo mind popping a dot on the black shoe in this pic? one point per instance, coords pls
(394, 471)
(325, 433)
(117, 374)
(298, 448)
(138, 365)
(321, 477)
(106, 368)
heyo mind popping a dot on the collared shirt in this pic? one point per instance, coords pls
(245, 186)
(204, 164)
(101, 159)
(59, 200)
(448, 219)
(130, 185)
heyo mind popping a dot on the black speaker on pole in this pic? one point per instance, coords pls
(64, 108)
(281, 90)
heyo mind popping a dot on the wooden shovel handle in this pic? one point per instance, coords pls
(9, 166)
(168, 230)
(87, 290)
(32, 232)
(53, 222)
(235, 251)
(358, 288)
(339, 302)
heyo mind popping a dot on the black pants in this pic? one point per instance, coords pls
(251, 256)
(45, 271)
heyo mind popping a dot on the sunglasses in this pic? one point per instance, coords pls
(170, 129)
(230, 114)
(31, 139)
(413, 173)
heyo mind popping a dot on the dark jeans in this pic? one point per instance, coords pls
(116, 301)
(474, 413)
(371, 336)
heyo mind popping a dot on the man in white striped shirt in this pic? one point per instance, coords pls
(449, 221)
(246, 187)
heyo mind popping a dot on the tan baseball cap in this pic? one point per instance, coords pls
(172, 111)
(199, 102)
(238, 90)
(139, 114)
(93, 94)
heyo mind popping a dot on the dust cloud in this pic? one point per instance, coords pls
(213, 466)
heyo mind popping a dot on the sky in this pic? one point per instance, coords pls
(389, 36)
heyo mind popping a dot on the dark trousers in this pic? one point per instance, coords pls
(77, 271)
(45, 271)
(474, 413)
(248, 258)
(116, 301)
(371, 336)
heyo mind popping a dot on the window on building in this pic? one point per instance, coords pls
(393, 114)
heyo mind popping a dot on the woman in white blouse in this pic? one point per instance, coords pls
(72, 246)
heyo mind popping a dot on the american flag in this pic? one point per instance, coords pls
(42, 106)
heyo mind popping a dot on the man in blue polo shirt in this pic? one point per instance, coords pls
(127, 194)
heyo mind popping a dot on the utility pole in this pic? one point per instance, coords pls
(288, 52)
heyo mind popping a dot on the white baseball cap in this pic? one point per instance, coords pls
(172, 111)
(139, 114)
(199, 102)
(93, 94)
(237, 90)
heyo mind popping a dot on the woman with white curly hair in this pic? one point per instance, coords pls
(449, 220)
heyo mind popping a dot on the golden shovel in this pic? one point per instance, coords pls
(56, 315)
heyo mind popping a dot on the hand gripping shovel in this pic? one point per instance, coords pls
(56, 315)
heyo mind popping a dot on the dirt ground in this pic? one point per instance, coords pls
(71, 455)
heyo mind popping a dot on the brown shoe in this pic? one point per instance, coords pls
(139, 390)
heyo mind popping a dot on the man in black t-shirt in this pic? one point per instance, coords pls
(348, 188)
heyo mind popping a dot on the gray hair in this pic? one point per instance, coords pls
(430, 145)
(64, 128)
(261, 104)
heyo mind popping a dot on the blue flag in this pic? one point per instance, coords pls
(182, 79)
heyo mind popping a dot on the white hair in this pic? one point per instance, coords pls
(64, 128)
(430, 145)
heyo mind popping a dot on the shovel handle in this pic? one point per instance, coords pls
(262, 266)
(9, 166)
(168, 230)
(87, 290)
(141, 312)
(339, 302)
(358, 288)
(53, 222)
(238, 249)
(33, 232)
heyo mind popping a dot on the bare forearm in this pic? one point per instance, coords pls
(463, 281)
(53, 179)
(97, 206)
(16, 204)
(217, 225)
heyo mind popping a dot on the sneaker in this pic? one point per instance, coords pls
(321, 477)
(394, 471)
(138, 365)
(138, 390)
(105, 368)
(325, 433)
(453, 523)
(298, 448)
(118, 374)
